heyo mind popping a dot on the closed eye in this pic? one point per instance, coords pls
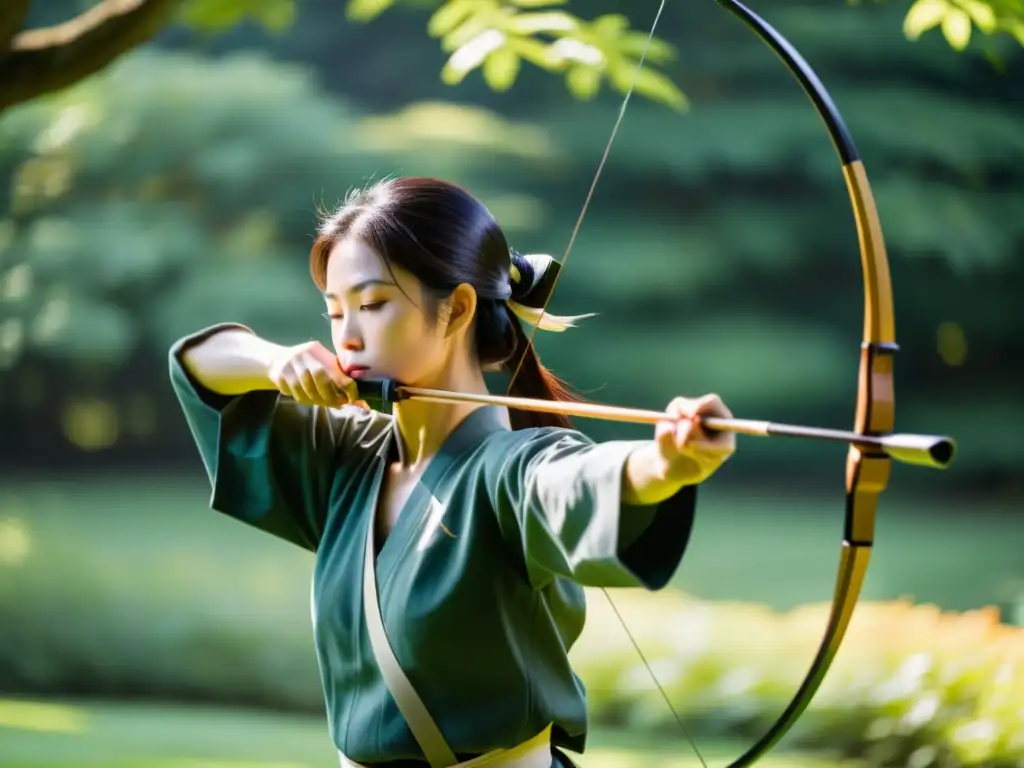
(371, 306)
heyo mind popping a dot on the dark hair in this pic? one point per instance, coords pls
(443, 236)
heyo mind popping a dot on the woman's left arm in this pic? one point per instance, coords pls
(682, 452)
(610, 514)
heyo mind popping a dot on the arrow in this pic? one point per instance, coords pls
(935, 451)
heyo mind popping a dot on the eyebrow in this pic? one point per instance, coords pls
(359, 287)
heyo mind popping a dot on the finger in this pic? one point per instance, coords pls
(681, 408)
(350, 390)
(313, 395)
(664, 436)
(332, 365)
(342, 382)
(295, 375)
(325, 388)
(712, 405)
(287, 383)
(683, 434)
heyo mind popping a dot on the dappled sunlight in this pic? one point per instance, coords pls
(518, 213)
(12, 335)
(46, 718)
(15, 542)
(40, 181)
(67, 124)
(951, 340)
(16, 283)
(91, 424)
(415, 126)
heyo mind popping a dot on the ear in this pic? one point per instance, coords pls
(462, 309)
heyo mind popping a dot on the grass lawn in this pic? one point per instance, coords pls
(117, 570)
(65, 734)
(781, 549)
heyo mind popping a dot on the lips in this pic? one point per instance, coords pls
(356, 371)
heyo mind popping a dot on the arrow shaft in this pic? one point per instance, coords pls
(927, 450)
(638, 415)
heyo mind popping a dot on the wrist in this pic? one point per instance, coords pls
(652, 478)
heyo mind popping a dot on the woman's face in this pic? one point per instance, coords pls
(379, 325)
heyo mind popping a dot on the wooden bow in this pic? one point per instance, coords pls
(872, 444)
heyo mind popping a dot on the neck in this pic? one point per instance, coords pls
(423, 427)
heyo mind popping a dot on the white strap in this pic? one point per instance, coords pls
(422, 725)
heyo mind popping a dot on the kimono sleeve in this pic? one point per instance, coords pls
(559, 500)
(270, 461)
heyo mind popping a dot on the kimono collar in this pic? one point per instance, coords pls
(468, 434)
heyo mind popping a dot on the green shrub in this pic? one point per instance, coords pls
(910, 686)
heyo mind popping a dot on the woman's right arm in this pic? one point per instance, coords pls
(267, 422)
(231, 361)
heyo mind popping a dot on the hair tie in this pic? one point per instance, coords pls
(532, 278)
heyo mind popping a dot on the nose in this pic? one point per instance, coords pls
(348, 337)
(351, 344)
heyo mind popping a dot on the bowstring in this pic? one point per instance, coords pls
(536, 327)
(590, 192)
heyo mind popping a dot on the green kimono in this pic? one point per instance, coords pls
(480, 580)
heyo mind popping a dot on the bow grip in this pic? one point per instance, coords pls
(376, 392)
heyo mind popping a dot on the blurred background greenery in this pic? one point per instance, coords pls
(179, 185)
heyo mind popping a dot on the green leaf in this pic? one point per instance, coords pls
(276, 15)
(537, 53)
(1016, 28)
(212, 15)
(471, 55)
(532, 23)
(982, 14)
(610, 25)
(501, 69)
(366, 10)
(449, 16)
(451, 75)
(537, 3)
(583, 82)
(634, 43)
(924, 15)
(473, 26)
(658, 87)
(957, 28)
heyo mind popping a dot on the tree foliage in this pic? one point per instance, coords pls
(957, 19)
(172, 190)
(494, 36)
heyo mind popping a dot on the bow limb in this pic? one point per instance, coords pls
(867, 471)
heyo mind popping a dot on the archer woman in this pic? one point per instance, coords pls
(452, 542)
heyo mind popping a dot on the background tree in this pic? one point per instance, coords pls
(741, 249)
(41, 50)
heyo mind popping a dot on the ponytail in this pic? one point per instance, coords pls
(503, 344)
(535, 381)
